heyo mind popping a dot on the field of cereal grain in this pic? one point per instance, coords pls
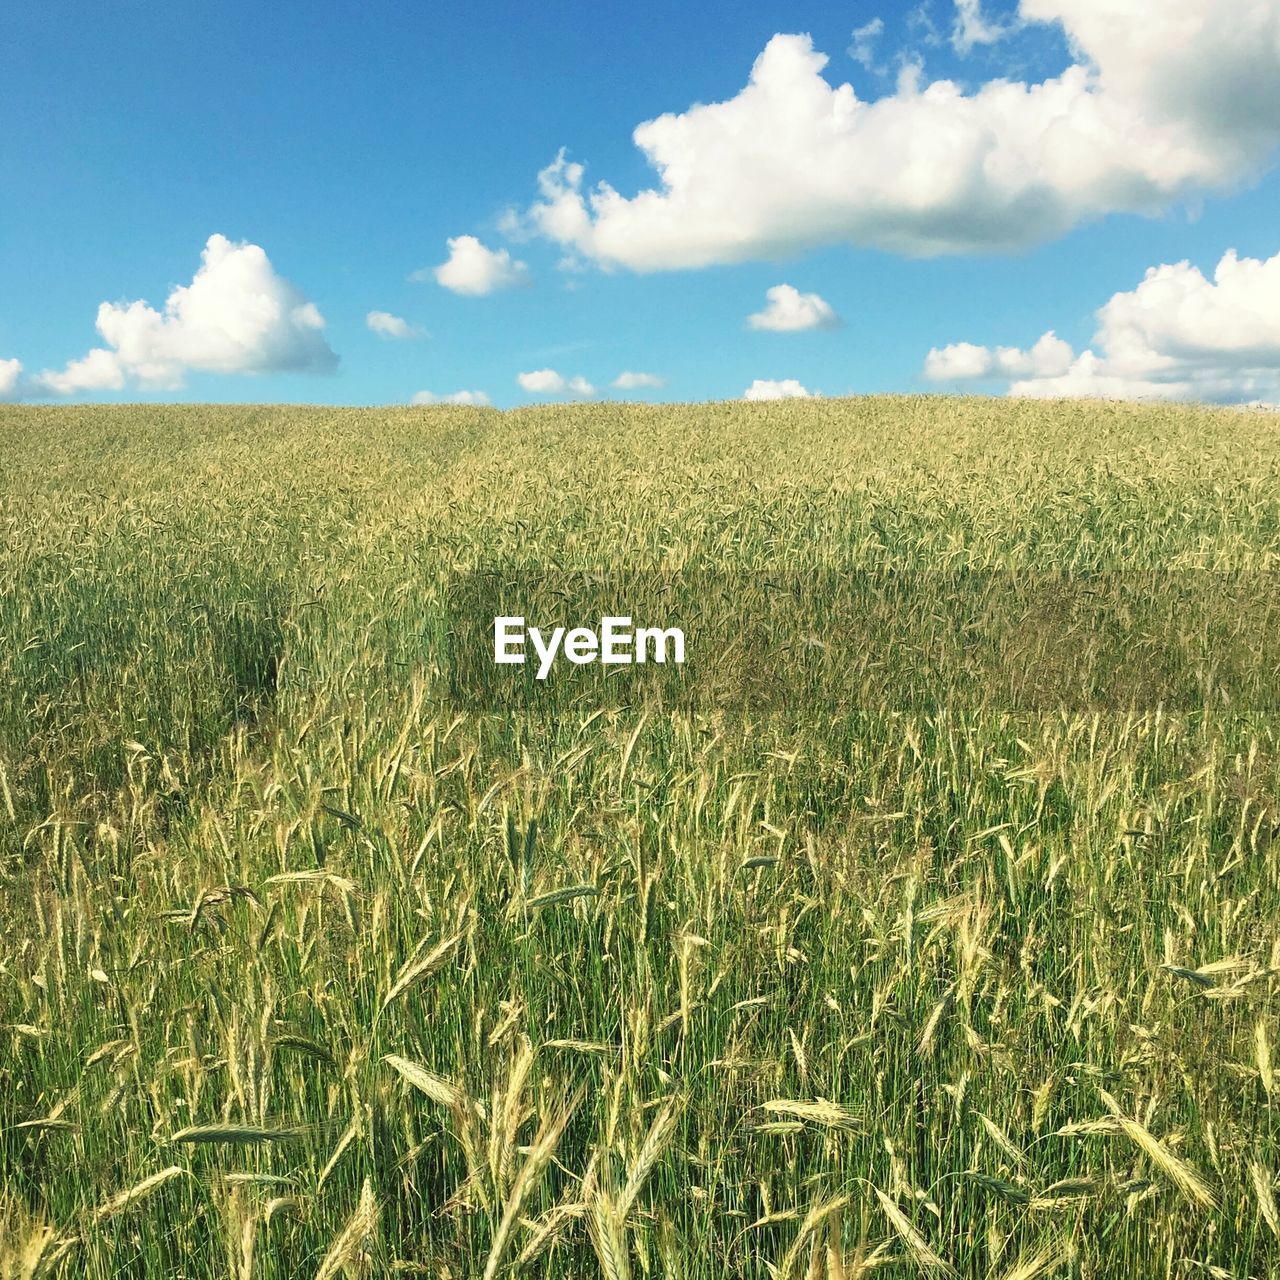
(311, 967)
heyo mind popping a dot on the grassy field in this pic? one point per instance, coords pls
(320, 958)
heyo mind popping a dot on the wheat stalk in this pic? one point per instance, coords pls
(1183, 1176)
(350, 1244)
(917, 1246)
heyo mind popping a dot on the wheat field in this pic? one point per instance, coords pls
(872, 951)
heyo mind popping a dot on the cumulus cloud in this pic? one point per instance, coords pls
(477, 398)
(546, 382)
(99, 370)
(784, 389)
(386, 325)
(236, 316)
(1161, 102)
(10, 372)
(474, 269)
(790, 311)
(1049, 358)
(957, 361)
(1177, 336)
(629, 381)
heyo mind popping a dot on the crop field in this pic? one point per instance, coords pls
(925, 923)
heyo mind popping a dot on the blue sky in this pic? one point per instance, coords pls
(351, 143)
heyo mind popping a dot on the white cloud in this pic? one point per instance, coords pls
(958, 360)
(386, 325)
(973, 27)
(474, 270)
(548, 382)
(10, 372)
(1164, 101)
(629, 381)
(789, 311)
(236, 316)
(1177, 336)
(1208, 67)
(455, 397)
(99, 370)
(541, 381)
(863, 47)
(1050, 357)
(785, 389)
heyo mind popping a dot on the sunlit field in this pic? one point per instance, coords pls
(324, 954)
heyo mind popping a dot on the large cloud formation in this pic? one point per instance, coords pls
(1161, 101)
(236, 316)
(1178, 336)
